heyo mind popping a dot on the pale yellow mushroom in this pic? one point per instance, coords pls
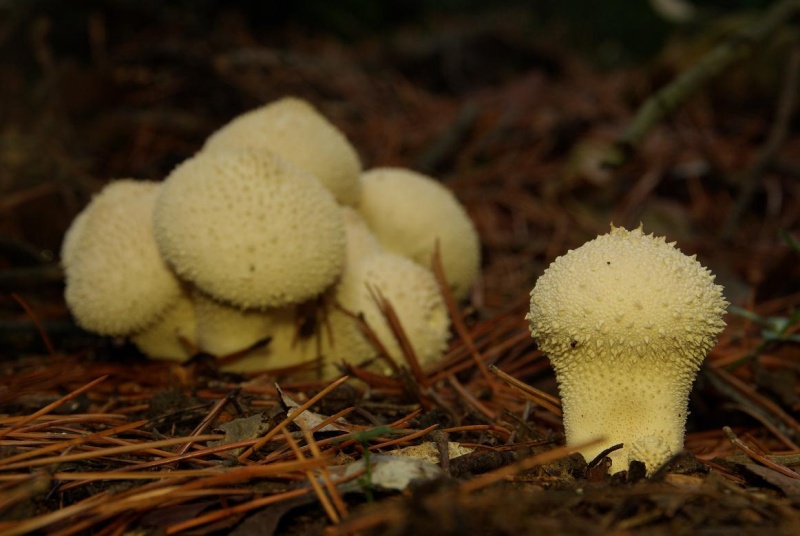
(413, 293)
(626, 320)
(293, 129)
(116, 281)
(410, 212)
(250, 229)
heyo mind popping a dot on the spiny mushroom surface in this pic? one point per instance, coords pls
(296, 131)
(626, 320)
(409, 212)
(116, 281)
(414, 294)
(249, 228)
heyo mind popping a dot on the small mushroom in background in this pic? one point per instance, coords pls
(626, 320)
(249, 229)
(413, 293)
(409, 212)
(294, 130)
(116, 282)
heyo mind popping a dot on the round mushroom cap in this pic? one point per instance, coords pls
(627, 293)
(249, 228)
(294, 130)
(164, 338)
(116, 281)
(409, 212)
(414, 295)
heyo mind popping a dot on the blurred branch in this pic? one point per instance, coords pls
(30, 277)
(768, 151)
(671, 97)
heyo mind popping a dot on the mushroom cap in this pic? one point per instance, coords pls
(249, 228)
(626, 293)
(626, 320)
(294, 130)
(116, 281)
(414, 294)
(409, 212)
(336, 335)
(162, 340)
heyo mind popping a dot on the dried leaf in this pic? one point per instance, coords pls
(242, 429)
(389, 473)
(308, 419)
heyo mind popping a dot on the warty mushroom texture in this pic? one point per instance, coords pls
(259, 222)
(626, 320)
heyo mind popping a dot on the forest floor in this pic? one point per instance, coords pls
(95, 439)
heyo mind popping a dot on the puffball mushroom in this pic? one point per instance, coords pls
(250, 229)
(626, 320)
(296, 131)
(414, 294)
(116, 281)
(409, 212)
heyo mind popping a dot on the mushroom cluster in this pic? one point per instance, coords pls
(626, 319)
(271, 244)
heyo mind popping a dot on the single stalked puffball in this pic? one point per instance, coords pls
(626, 320)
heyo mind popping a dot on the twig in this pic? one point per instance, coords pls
(208, 419)
(50, 407)
(333, 492)
(536, 396)
(741, 392)
(763, 460)
(109, 451)
(396, 326)
(766, 154)
(288, 420)
(312, 480)
(30, 277)
(455, 316)
(61, 445)
(670, 98)
(35, 319)
(538, 459)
